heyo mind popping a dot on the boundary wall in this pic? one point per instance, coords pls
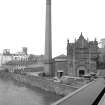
(44, 84)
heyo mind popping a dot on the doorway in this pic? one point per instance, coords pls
(81, 72)
(60, 73)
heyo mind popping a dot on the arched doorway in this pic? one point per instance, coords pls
(81, 70)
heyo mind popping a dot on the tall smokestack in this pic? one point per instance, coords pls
(48, 39)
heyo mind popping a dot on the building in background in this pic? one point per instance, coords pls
(21, 60)
(24, 50)
(61, 65)
(6, 56)
(103, 42)
(82, 55)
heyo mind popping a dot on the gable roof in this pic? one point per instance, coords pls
(62, 56)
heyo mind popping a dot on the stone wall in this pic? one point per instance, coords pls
(45, 84)
(101, 72)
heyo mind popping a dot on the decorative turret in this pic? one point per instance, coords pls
(95, 43)
(75, 40)
(67, 41)
(81, 34)
(68, 46)
(81, 42)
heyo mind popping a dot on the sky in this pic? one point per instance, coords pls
(22, 23)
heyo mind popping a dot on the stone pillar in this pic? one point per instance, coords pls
(48, 40)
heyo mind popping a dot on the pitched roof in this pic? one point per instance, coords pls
(62, 56)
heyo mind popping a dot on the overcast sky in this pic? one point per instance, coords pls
(22, 23)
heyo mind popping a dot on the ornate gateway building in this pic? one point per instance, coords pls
(82, 56)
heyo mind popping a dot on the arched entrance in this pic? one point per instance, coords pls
(81, 71)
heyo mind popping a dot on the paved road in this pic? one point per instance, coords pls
(85, 96)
